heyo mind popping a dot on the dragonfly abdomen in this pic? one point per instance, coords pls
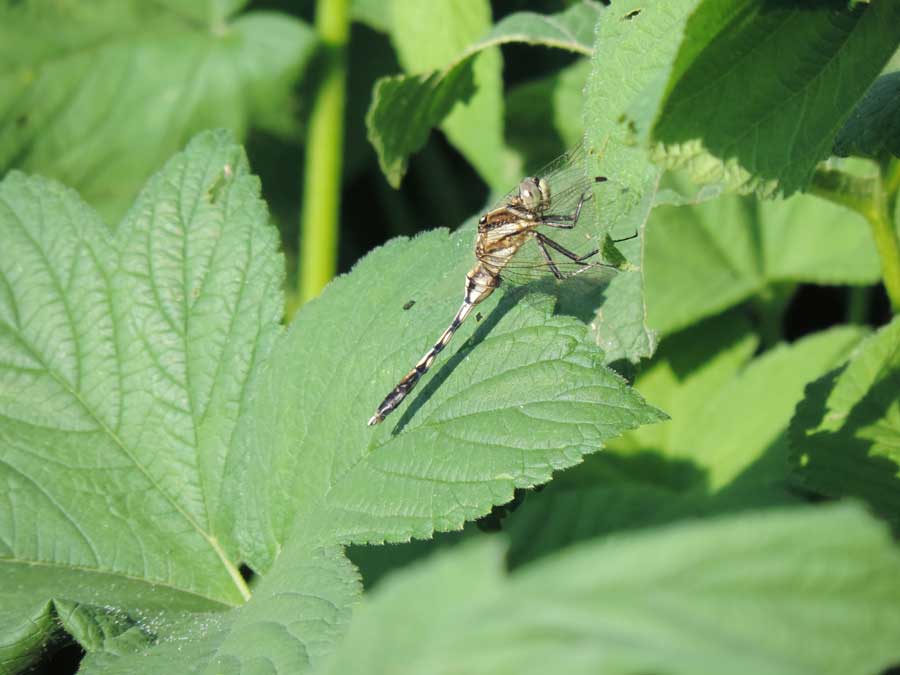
(411, 379)
(480, 283)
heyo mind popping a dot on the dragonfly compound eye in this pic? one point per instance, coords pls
(535, 193)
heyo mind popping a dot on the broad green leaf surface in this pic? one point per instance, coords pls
(759, 90)
(124, 362)
(513, 398)
(775, 593)
(845, 435)
(723, 449)
(624, 86)
(529, 106)
(732, 429)
(619, 324)
(704, 258)
(101, 94)
(405, 108)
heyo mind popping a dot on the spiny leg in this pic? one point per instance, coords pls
(544, 252)
(543, 240)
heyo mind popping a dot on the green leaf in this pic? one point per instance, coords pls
(101, 629)
(513, 398)
(405, 108)
(72, 107)
(125, 362)
(704, 258)
(625, 201)
(26, 626)
(845, 435)
(758, 90)
(873, 129)
(723, 449)
(745, 420)
(774, 593)
(431, 35)
(619, 324)
(371, 13)
(529, 106)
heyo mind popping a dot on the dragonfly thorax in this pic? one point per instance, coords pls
(534, 193)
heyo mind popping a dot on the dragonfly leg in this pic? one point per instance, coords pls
(574, 257)
(541, 239)
(628, 238)
(567, 222)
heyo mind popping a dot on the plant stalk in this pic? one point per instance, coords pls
(325, 143)
(874, 199)
(888, 246)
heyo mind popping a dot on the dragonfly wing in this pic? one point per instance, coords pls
(529, 264)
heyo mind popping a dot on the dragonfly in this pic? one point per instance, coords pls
(510, 243)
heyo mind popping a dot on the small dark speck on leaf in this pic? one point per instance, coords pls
(409, 305)
(247, 573)
(478, 316)
(21, 121)
(633, 13)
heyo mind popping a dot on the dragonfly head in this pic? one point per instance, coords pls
(534, 193)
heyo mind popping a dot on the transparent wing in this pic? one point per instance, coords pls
(572, 226)
(530, 265)
(567, 178)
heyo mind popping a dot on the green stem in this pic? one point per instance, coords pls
(770, 308)
(325, 140)
(888, 246)
(874, 199)
(858, 305)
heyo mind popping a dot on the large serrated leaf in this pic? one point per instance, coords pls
(845, 435)
(125, 361)
(72, 107)
(723, 449)
(775, 593)
(513, 398)
(405, 108)
(758, 89)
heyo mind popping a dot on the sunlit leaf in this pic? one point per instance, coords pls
(759, 90)
(846, 432)
(405, 108)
